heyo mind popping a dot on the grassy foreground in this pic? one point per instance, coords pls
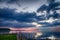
(8, 37)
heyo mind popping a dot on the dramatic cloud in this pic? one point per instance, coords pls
(51, 6)
(8, 17)
(42, 8)
(11, 18)
(11, 14)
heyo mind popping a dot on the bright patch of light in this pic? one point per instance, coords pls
(38, 14)
(51, 12)
(49, 20)
(58, 11)
(37, 25)
(52, 37)
(41, 13)
(38, 34)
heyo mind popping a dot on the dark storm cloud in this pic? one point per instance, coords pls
(52, 5)
(41, 17)
(42, 8)
(7, 13)
(27, 17)
(10, 14)
(55, 15)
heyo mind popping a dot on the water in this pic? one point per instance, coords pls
(45, 36)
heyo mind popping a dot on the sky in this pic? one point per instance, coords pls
(22, 5)
(19, 9)
(29, 13)
(14, 13)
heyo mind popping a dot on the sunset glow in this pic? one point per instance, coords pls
(24, 30)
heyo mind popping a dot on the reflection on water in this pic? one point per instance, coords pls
(44, 36)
